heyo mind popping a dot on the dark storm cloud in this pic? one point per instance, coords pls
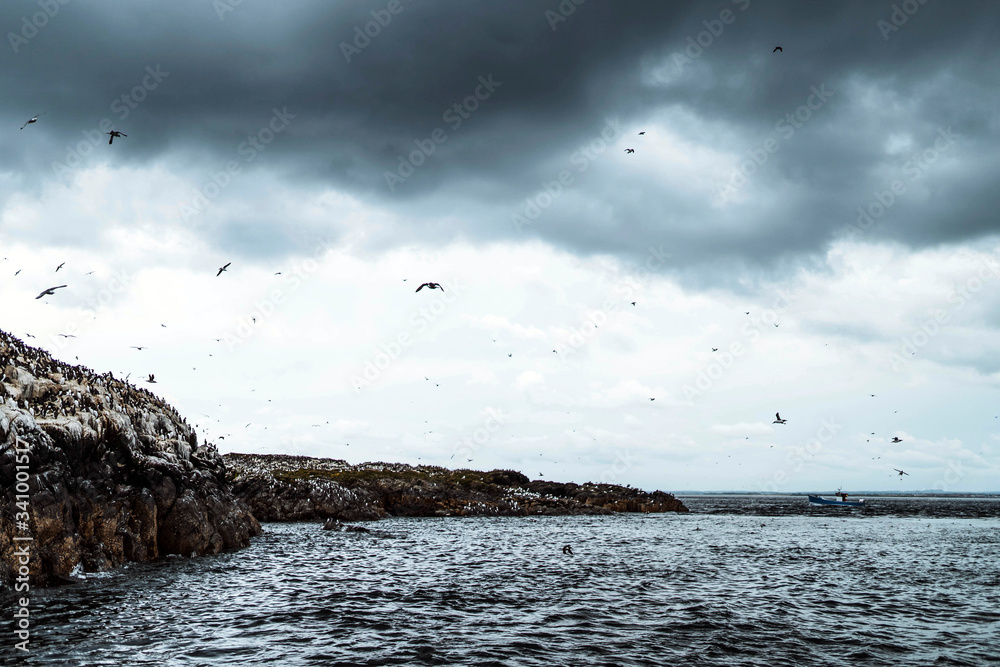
(548, 80)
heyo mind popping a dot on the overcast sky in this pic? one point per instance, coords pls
(842, 191)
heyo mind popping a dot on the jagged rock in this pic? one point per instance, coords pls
(334, 524)
(298, 488)
(114, 473)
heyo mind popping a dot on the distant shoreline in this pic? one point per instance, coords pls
(887, 494)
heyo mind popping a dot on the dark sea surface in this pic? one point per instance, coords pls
(741, 580)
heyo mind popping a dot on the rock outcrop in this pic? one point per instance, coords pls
(99, 472)
(298, 488)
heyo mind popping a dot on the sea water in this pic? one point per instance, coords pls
(738, 581)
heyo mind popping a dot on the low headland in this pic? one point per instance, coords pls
(301, 488)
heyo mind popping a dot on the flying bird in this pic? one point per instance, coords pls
(901, 473)
(34, 119)
(222, 269)
(115, 133)
(137, 348)
(151, 379)
(896, 439)
(59, 267)
(629, 150)
(67, 335)
(50, 291)
(778, 419)
(715, 349)
(641, 133)
(430, 286)
(777, 48)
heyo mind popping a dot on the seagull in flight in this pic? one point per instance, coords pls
(222, 269)
(151, 379)
(896, 439)
(778, 419)
(34, 119)
(137, 348)
(715, 349)
(50, 291)
(59, 267)
(641, 133)
(778, 48)
(901, 473)
(430, 286)
(629, 150)
(115, 133)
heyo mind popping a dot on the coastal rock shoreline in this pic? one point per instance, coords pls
(97, 473)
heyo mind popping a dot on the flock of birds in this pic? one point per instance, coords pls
(113, 133)
(429, 285)
(778, 419)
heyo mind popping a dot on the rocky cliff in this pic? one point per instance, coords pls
(98, 472)
(297, 488)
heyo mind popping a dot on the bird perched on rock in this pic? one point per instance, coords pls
(430, 286)
(115, 133)
(50, 291)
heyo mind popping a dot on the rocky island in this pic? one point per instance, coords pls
(301, 488)
(97, 473)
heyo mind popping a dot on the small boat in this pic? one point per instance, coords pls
(817, 500)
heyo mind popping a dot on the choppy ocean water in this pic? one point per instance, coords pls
(738, 581)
